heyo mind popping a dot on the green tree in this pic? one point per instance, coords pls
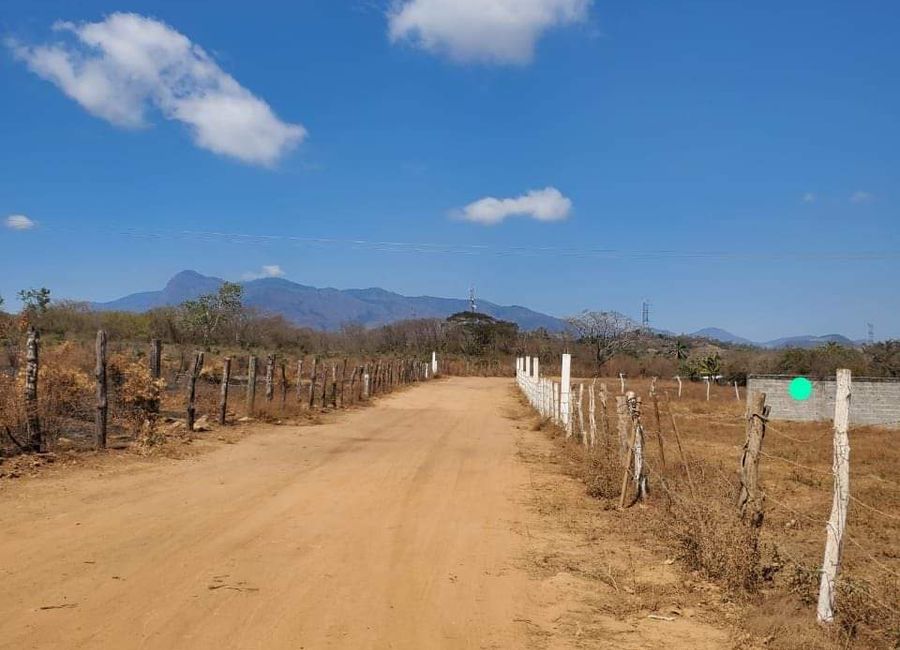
(209, 314)
(35, 301)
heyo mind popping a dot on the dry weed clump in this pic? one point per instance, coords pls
(138, 399)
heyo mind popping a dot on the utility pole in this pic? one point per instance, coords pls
(645, 315)
(870, 338)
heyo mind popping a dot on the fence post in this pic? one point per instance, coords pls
(584, 433)
(36, 440)
(565, 393)
(737, 392)
(270, 377)
(284, 385)
(750, 499)
(192, 389)
(622, 382)
(592, 418)
(251, 384)
(312, 382)
(155, 358)
(635, 451)
(604, 412)
(681, 454)
(679, 384)
(708, 382)
(102, 400)
(622, 427)
(841, 467)
(434, 364)
(223, 395)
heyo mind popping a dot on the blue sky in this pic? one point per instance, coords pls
(764, 132)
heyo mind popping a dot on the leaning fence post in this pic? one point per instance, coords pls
(750, 499)
(102, 401)
(251, 384)
(223, 395)
(32, 418)
(192, 390)
(678, 379)
(841, 499)
(737, 392)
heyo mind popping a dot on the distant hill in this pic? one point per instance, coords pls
(804, 341)
(717, 334)
(326, 309)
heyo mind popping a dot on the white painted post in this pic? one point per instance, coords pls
(527, 367)
(679, 385)
(534, 368)
(365, 386)
(565, 394)
(434, 368)
(841, 499)
(708, 382)
(592, 419)
(737, 392)
(622, 381)
(584, 433)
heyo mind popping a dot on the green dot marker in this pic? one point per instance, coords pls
(800, 389)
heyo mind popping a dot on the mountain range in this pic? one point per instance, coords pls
(326, 309)
(329, 309)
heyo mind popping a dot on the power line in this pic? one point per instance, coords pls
(433, 248)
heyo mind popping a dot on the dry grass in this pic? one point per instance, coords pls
(772, 573)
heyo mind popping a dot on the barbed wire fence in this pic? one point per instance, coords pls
(854, 582)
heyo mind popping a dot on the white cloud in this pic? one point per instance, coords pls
(119, 67)
(543, 205)
(809, 197)
(861, 197)
(268, 271)
(489, 31)
(19, 222)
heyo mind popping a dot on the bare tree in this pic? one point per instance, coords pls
(606, 332)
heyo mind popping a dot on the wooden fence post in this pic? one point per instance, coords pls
(679, 384)
(592, 418)
(635, 451)
(284, 385)
(622, 427)
(584, 433)
(737, 392)
(622, 382)
(841, 499)
(708, 383)
(223, 395)
(36, 440)
(604, 412)
(192, 389)
(251, 385)
(312, 382)
(102, 400)
(750, 499)
(343, 381)
(155, 358)
(270, 377)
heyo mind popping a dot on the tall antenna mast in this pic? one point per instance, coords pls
(645, 315)
(871, 333)
(473, 306)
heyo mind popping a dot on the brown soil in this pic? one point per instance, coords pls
(437, 519)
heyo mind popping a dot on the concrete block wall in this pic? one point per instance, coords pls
(871, 401)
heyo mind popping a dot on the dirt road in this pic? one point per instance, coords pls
(404, 525)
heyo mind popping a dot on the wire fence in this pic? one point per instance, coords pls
(691, 453)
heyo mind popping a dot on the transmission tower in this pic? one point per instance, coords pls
(473, 306)
(645, 315)
(871, 333)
